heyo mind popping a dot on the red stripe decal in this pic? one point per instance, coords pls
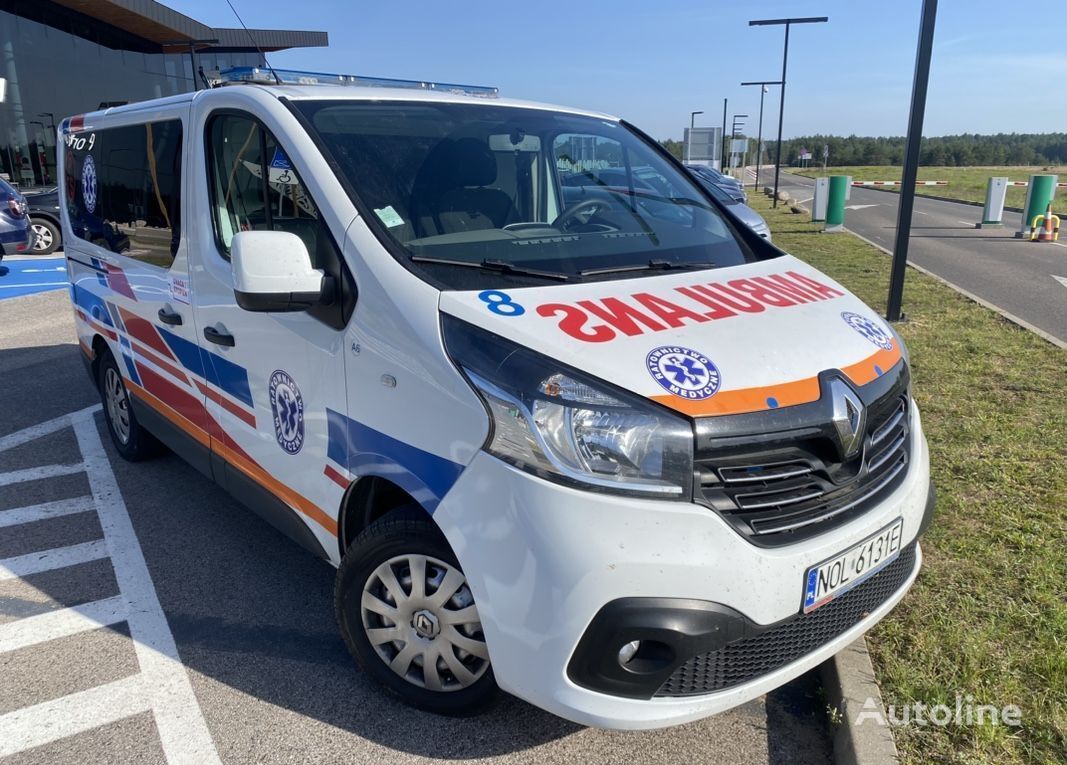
(336, 477)
(177, 374)
(184, 403)
(116, 279)
(247, 417)
(146, 332)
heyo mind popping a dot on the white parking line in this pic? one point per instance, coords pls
(182, 729)
(35, 284)
(46, 560)
(162, 685)
(66, 716)
(37, 473)
(62, 623)
(45, 510)
(32, 433)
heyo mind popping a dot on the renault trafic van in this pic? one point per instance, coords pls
(564, 432)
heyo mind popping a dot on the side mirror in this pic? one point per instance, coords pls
(272, 272)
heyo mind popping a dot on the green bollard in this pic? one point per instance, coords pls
(835, 203)
(1038, 196)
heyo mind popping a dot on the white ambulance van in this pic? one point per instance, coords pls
(564, 427)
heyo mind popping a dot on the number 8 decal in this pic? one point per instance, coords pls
(501, 303)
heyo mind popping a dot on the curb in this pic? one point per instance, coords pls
(971, 296)
(848, 679)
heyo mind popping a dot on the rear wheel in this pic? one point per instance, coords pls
(408, 616)
(131, 440)
(46, 236)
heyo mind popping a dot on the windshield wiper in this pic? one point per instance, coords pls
(492, 265)
(652, 265)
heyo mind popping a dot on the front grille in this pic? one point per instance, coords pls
(797, 485)
(751, 657)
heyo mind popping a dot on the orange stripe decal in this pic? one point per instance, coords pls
(281, 491)
(755, 399)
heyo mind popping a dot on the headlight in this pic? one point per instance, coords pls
(563, 425)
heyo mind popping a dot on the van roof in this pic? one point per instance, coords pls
(331, 93)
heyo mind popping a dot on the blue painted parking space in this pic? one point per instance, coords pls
(28, 276)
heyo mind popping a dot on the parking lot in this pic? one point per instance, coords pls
(146, 617)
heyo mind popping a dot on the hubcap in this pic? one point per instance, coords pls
(43, 236)
(118, 404)
(419, 615)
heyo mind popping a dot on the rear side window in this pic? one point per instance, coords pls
(124, 189)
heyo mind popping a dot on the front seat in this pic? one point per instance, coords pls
(457, 189)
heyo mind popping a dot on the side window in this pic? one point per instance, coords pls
(124, 189)
(256, 188)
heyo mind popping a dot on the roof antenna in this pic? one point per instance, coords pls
(255, 45)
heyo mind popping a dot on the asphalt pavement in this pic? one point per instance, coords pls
(1025, 279)
(146, 617)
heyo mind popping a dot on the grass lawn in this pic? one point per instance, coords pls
(966, 183)
(988, 615)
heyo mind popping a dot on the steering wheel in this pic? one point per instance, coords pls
(587, 207)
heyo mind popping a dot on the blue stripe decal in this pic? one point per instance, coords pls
(362, 450)
(188, 353)
(92, 305)
(218, 371)
(127, 356)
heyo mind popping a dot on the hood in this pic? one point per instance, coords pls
(724, 341)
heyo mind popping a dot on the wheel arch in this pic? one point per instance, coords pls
(366, 500)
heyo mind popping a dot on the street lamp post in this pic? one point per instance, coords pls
(759, 136)
(689, 143)
(722, 148)
(781, 105)
(911, 159)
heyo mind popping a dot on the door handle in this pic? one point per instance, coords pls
(172, 318)
(219, 338)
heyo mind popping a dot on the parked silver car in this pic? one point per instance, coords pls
(727, 183)
(739, 210)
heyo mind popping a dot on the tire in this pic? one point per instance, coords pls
(462, 683)
(47, 236)
(131, 441)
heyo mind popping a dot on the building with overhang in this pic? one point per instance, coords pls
(64, 57)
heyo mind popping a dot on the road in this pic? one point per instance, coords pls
(1016, 275)
(145, 617)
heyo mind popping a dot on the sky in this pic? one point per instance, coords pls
(996, 67)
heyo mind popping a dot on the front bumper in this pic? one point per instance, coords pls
(543, 560)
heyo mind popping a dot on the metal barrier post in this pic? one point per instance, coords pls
(1039, 196)
(818, 202)
(993, 212)
(835, 203)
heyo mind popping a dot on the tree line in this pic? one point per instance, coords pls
(966, 150)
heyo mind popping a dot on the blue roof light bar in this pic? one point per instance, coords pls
(263, 76)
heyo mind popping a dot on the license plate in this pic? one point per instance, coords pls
(844, 571)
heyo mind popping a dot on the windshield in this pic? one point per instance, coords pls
(474, 194)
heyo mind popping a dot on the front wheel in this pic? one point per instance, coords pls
(408, 616)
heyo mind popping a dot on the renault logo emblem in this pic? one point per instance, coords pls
(849, 417)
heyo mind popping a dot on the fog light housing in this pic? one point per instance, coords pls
(628, 651)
